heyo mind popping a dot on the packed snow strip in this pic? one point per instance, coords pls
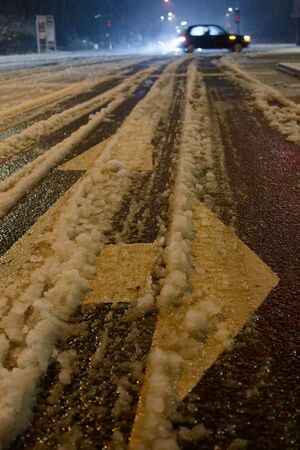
(82, 79)
(74, 71)
(32, 63)
(17, 143)
(43, 99)
(18, 184)
(34, 310)
(152, 430)
(285, 118)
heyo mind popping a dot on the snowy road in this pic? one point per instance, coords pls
(148, 255)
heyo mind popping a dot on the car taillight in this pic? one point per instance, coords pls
(181, 39)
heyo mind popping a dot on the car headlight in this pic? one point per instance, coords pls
(232, 37)
(247, 38)
(181, 39)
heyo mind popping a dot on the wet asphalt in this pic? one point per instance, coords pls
(19, 219)
(89, 408)
(11, 165)
(249, 398)
(26, 212)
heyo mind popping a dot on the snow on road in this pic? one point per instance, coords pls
(164, 365)
(281, 113)
(14, 187)
(29, 88)
(32, 318)
(12, 62)
(35, 308)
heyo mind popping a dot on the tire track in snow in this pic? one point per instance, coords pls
(21, 121)
(13, 222)
(13, 188)
(57, 66)
(145, 209)
(86, 103)
(109, 353)
(36, 203)
(259, 375)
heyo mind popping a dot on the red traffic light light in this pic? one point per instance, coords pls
(109, 23)
(236, 15)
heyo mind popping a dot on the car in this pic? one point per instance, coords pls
(211, 37)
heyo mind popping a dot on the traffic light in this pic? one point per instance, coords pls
(236, 15)
(109, 23)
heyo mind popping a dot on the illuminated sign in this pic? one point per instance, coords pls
(45, 33)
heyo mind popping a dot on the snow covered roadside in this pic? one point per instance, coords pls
(33, 317)
(153, 430)
(14, 187)
(285, 118)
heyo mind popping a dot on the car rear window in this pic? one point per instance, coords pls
(199, 31)
(215, 31)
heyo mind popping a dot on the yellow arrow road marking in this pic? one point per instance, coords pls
(139, 157)
(13, 261)
(229, 284)
(128, 157)
(230, 275)
(85, 160)
(28, 252)
(123, 273)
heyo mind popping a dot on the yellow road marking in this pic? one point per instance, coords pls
(42, 100)
(123, 273)
(20, 255)
(232, 277)
(14, 121)
(12, 262)
(135, 157)
(86, 160)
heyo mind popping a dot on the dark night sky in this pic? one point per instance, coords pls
(266, 20)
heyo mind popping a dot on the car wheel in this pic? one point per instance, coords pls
(189, 49)
(237, 47)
